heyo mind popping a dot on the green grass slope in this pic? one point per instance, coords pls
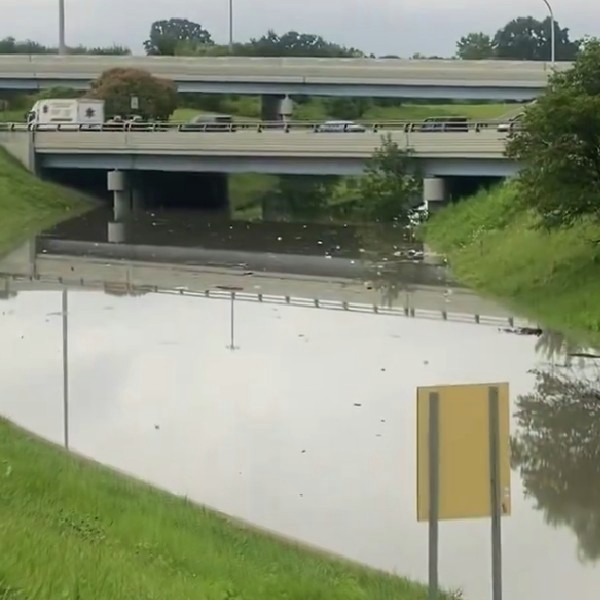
(494, 246)
(28, 204)
(72, 529)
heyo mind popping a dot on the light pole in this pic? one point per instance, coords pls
(230, 26)
(552, 36)
(232, 345)
(65, 357)
(62, 47)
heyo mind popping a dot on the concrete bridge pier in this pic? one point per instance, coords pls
(275, 108)
(117, 184)
(435, 193)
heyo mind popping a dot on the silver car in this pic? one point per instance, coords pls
(341, 127)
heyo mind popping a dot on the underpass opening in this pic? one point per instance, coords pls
(206, 191)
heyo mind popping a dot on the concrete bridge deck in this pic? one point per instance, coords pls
(472, 153)
(456, 79)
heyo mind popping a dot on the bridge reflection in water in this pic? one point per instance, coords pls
(331, 267)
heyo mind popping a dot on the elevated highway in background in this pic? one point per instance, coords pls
(479, 151)
(383, 78)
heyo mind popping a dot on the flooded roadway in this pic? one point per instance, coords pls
(307, 425)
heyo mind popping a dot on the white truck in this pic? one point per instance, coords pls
(68, 114)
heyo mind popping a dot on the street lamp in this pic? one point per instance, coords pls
(65, 357)
(232, 345)
(230, 26)
(62, 47)
(552, 37)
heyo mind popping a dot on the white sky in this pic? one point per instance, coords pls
(381, 26)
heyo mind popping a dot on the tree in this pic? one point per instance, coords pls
(390, 188)
(157, 97)
(557, 451)
(301, 196)
(347, 107)
(10, 45)
(166, 35)
(293, 43)
(557, 144)
(526, 38)
(475, 46)
(59, 92)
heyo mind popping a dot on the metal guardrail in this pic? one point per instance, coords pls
(298, 302)
(260, 126)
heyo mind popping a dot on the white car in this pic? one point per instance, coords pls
(341, 127)
(511, 124)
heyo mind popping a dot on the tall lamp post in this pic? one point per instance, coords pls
(230, 26)
(552, 33)
(62, 46)
(65, 357)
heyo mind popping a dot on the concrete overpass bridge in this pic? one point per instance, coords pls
(128, 155)
(477, 152)
(399, 78)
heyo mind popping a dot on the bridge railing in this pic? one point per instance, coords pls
(260, 126)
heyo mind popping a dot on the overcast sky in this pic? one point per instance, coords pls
(381, 26)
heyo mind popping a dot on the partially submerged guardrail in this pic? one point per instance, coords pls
(406, 311)
(259, 126)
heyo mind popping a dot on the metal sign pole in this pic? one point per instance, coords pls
(434, 491)
(65, 357)
(495, 493)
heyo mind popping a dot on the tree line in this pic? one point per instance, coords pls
(522, 38)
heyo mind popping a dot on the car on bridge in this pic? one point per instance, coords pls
(341, 127)
(512, 124)
(451, 123)
(209, 122)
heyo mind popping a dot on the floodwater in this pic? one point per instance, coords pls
(299, 416)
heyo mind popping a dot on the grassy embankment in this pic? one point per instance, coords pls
(493, 245)
(72, 529)
(28, 204)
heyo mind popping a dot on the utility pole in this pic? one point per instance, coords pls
(231, 27)
(552, 32)
(62, 46)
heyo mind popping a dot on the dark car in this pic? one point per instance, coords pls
(210, 123)
(445, 124)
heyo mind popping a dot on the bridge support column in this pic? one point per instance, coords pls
(435, 195)
(117, 184)
(116, 232)
(275, 108)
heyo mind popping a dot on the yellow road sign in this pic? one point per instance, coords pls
(464, 451)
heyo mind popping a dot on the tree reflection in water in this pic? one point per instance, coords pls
(557, 451)
(555, 347)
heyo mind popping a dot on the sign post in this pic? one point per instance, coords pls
(434, 492)
(495, 493)
(463, 464)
